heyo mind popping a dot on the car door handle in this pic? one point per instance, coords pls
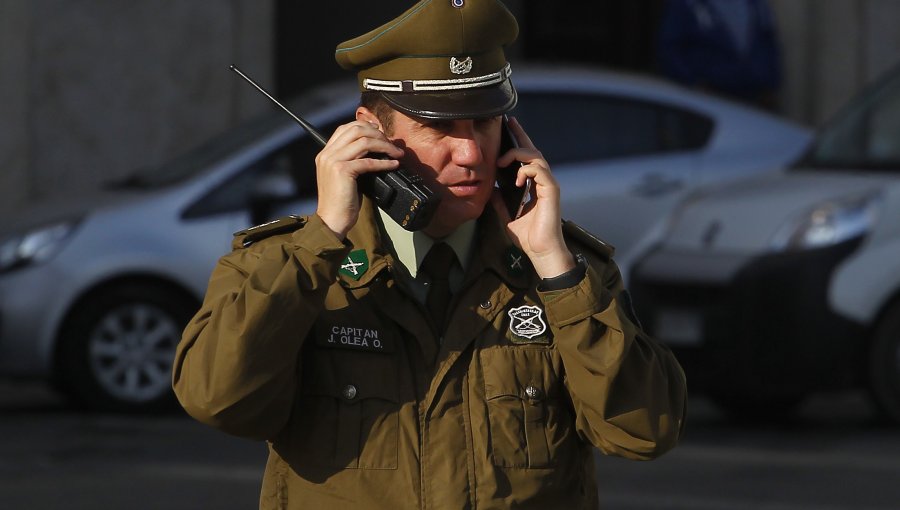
(655, 184)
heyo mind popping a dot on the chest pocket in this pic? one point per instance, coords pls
(347, 416)
(530, 422)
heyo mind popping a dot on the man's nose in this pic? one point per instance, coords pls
(466, 147)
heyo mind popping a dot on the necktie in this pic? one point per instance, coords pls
(436, 266)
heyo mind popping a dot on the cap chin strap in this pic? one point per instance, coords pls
(438, 85)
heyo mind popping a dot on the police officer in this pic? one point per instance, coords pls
(473, 364)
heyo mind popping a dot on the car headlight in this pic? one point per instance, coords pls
(829, 223)
(35, 245)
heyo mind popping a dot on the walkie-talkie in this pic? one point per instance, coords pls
(401, 194)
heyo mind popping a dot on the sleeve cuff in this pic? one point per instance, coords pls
(566, 280)
(588, 297)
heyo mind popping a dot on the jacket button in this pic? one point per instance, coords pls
(485, 305)
(349, 392)
(533, 393)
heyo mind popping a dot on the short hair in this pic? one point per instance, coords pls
(382, 110)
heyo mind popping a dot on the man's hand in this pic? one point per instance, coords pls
(340, 164)
(538, 232)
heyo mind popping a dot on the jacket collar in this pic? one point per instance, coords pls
(366, 236)
(495, 251)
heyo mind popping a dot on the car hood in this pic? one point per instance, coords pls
(58, 209)
(744, 216)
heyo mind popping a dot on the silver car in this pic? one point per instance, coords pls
(95, 290)
(772, 288)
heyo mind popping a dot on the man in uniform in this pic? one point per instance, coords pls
(473, 364)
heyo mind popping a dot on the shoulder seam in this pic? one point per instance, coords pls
(591, 241)
(259, 232)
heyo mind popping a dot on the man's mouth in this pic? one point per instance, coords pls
(464, 188)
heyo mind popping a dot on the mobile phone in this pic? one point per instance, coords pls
(514, 197)
(401, 194)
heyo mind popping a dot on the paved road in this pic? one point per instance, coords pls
(833, 456)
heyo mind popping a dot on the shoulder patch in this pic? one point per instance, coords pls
(589, 240)
(246, 237)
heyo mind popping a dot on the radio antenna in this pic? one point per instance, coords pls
(306, 125)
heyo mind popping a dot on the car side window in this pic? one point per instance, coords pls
(883, 146)
(284, 174)
(570, 127)
(681, 130)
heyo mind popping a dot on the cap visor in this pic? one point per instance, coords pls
(456, 104)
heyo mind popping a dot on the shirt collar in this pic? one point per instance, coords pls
(411, 247)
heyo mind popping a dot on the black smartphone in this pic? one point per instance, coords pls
(514, 197)
(401, 194)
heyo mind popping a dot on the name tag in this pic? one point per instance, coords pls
(358, 338)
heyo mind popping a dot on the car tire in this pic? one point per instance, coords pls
(116, 351)
(884, 364)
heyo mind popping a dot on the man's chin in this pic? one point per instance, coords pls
(453, 212)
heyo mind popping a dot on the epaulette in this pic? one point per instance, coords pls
(246, 237)
(590, 241)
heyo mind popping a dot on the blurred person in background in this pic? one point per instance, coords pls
(724, 47)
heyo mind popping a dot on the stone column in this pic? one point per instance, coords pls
(105, 87)
(15, 184)
(882, 39)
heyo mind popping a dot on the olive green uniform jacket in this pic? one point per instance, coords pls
(362, 407)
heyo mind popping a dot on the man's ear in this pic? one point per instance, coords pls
(363, 114)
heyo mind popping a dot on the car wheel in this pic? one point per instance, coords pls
(884, 364)
(117, 350)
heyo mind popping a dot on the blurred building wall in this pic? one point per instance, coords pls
(92, 90)
(14, 142)
(831, 49)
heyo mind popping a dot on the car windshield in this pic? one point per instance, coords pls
(864, 134)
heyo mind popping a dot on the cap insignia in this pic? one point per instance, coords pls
(458, 3)
(460, 66)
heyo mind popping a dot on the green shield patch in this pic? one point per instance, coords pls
(355, 265)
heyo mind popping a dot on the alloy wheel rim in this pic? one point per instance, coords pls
(131, 352)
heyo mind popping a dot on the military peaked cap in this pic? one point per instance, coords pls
(441, 59)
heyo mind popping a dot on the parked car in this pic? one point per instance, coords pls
(95, 290)
(778, 286)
